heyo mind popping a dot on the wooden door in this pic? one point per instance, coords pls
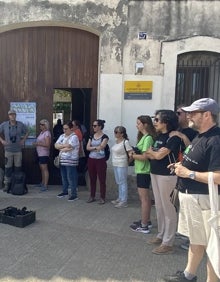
(36, 60)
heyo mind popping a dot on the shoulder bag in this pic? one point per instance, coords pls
(56, 161)
(174, 196)
(212, 219)
(130, 161)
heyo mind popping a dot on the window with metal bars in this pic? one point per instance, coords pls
(197, 76)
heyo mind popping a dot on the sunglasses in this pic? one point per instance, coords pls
(156, 120)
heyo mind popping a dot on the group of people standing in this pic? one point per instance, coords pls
(157, 163)
(172, 154)
(70, 148)
(154, 151)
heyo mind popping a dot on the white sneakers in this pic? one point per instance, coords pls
(115, 202)
(121, 205)
(118, 204)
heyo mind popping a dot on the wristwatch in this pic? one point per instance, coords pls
(192, 175)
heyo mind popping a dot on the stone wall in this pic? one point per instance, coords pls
(118, 23)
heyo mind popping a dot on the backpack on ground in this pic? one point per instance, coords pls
(18, 183)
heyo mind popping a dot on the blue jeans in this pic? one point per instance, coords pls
(121, 175)
(69, 176)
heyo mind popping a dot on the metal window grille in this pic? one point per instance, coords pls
(197, 76)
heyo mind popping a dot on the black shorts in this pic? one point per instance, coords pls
(43, 160)
(143, 181)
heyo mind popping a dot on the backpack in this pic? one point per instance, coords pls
(18, 183)
(107, 152)
(107, 149)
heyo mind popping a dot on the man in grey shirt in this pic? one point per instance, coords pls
(13, 135)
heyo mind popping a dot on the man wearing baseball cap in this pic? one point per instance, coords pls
(200, 157)
(13, 135)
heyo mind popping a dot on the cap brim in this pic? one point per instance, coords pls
(189, 109)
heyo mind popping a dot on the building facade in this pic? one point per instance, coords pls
(107, 46)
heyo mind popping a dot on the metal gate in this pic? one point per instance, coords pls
(197, 76)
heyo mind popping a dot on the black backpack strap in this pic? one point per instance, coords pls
(105, 136)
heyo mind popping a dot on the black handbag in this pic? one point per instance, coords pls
(174, 196)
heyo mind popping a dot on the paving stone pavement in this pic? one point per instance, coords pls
(77, 241)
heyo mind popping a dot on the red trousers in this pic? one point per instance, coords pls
(97, 167)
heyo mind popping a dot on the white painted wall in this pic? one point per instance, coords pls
(110, 102)
(117, 111)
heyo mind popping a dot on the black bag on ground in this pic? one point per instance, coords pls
(18, 183)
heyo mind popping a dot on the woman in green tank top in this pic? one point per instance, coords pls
(145, 139)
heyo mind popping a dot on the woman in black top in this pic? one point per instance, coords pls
(97, 165)
(164, 152)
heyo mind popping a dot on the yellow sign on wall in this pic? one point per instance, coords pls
(138, 90)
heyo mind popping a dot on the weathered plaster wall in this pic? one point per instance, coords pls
(109, 18)
(175, 19)
(118, 23)
(167, 21)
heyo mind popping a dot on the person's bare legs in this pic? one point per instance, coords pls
(144, 195)
(195, 255)
(211, 276)
(44, 174)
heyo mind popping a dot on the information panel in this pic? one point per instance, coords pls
(138, 90)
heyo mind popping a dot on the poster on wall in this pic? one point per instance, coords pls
(26, 113)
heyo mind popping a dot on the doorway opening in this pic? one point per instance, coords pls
(70, 104)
